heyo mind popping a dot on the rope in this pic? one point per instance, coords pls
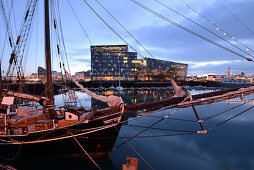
(135, 151)
(86, 153)
(79, 22)
(162, 129)
(202, 27)
(236, 18)
(185, 120)
(147, 128)
(212, 116)
(218, 28)
(188, 152)
(17, 154)
(112, 29)
(231, 118)
(124, 28)
(128, 137)
(61, 31)
(188, 30)
(165, 117)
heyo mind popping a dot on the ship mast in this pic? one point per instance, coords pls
(1, 81)
(49, 92)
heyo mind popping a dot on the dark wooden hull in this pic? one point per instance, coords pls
(96, 138)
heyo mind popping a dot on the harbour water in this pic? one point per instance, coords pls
(230, 145)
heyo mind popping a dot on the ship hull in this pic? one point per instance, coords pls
(97, 140)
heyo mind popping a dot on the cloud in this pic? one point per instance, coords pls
(83, 60)
(210, 63)
(162, 39)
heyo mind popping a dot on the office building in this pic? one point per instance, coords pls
(114, 62)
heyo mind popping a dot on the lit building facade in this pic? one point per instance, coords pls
(41, 72)
(113, 62)
(165, 69)
(83, 75)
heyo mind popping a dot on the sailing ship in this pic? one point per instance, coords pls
(27, 130)
(51, 131)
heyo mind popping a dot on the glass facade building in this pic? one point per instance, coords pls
(166, 68)
(114, 62)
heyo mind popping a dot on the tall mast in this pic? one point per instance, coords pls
(1, 81)
(49, 84)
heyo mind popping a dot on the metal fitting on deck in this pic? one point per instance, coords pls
(203, 131)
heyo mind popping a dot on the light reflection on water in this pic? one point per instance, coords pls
(230, 144)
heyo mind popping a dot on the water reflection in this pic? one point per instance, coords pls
(230, 144)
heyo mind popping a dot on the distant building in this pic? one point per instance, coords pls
(162, 69)
(114, 62)
(41, 72)
(54, 74)
(83, 75)
(34, 75)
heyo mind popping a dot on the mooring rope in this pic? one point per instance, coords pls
(86, 153)
(135, 150)
(17, 154)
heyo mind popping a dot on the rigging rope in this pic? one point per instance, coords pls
(79, 22)
(203, 27)
(161, 129)
(188, 30)
(217, 27)
(212, 116)
(150, 125)
(185, 151)
(112, 29)
(135, 150)
(12, 159)
(61, 31)
(124, 28)
(86, 152)
(165, 117)
(170, 118)
(231, 118)
(236, 17)
(154, 136)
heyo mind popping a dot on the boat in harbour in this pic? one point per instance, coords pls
(232, 81)
(47, 129)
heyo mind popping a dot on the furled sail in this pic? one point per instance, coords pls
(42, 100)
(112, 101)
(179, 91)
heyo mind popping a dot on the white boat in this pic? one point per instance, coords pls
(111, 88)
(232, 81)
(119, 88)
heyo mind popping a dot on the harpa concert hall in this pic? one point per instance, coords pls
(114, 62)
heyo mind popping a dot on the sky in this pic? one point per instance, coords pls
(161, 38)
